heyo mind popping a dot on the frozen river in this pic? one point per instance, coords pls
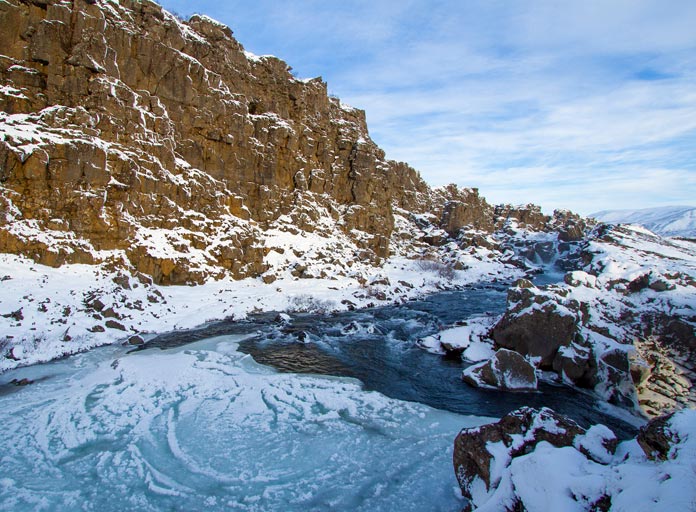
(353, 417)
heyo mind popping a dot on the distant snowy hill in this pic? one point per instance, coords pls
(666, 221)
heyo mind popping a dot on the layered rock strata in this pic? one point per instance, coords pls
(118, 119)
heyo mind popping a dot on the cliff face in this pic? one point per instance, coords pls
(130, 137)
(119, 119)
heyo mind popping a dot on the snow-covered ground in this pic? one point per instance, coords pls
(205, 427)
(666, 220)
(49, 312)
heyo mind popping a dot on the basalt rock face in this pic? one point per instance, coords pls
(131, 137)
(534, 327)
(119, 119)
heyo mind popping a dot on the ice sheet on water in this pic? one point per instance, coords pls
(206, 427)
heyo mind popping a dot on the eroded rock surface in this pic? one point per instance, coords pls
(119, 120)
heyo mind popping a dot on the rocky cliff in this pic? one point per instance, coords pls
(131, 137)
(117, 119)
(159, 152)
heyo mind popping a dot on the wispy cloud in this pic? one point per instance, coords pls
(587, 105)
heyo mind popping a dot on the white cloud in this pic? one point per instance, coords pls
(571, 103)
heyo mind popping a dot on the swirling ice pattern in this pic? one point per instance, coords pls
(207, 428)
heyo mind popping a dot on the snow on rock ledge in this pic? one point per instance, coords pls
(538, 460)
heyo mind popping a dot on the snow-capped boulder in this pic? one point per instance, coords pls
(537, 460)
(505, 370)
(535, 325)
(481, 454)
(468, 340)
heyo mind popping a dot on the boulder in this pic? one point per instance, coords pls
(506, 370)
(536, 332)
(615, 379)
(576, 363)
(136, 340)
(656, 439)
(571, 233)
(639, 284)
(517, 433)
(113, 324)
(660, 285)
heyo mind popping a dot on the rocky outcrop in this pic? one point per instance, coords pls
(539, 460)
(481, 453)
(527, 216)
(121, 119)
(506, 370)
(533, 325)
(609, 327)
(464, 209)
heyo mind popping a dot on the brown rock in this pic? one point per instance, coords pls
(269, 278)
(528, 216)
(113, 324)
(655, 438)
(639, 284)
(660, 285)
(136, 340)
(505, 370)
(537, 333)
(472, 457)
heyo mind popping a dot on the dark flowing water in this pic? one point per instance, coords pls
(378, 346)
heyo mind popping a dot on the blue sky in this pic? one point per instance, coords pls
(588, 105)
